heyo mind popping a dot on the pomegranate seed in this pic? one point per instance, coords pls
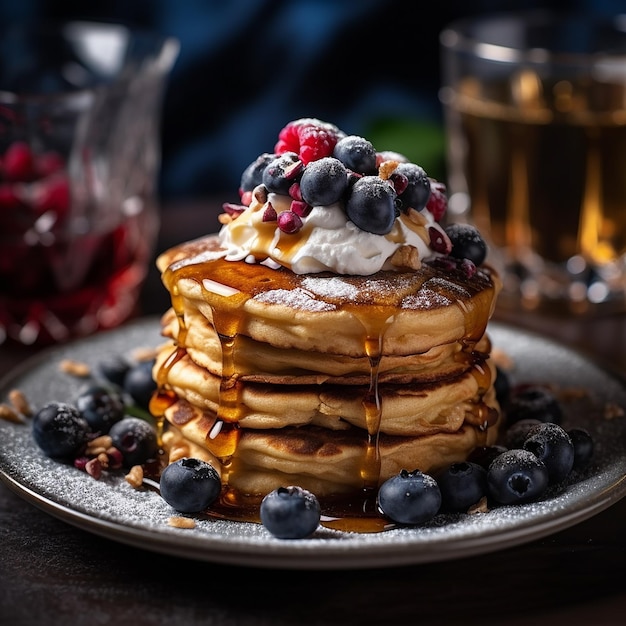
(80, 462)
(289, 222)
(269, 214)
(94, 468)
(300, 208)
(294, 191)
(234, 210)
(468, 266)
(439, 241)
(246, 197)
(116, 459)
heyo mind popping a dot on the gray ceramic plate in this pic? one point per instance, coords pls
(111, 508)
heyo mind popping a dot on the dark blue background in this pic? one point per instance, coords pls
(246, 67)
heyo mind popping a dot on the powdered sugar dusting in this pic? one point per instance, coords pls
(295, 298)
(331, 287)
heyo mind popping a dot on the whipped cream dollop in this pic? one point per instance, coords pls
(328, 240)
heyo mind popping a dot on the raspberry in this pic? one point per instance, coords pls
(309, 138)
(438, 200)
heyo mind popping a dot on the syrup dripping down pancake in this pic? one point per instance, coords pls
(405, 409)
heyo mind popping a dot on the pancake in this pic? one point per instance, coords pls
(441, 406)
(391, 313)
(325, 462)
(261, 362)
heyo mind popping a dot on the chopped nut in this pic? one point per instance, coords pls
(9, 414)
(480, 507)
(181, 522)
(104, 460)
(20, 402)
(224, 218)
(75, 368)
(386, 168)
(135, 476)
(103, 441)
(406, 256)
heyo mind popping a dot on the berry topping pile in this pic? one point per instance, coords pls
(316, 164)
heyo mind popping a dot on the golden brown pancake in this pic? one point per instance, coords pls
(390, 313)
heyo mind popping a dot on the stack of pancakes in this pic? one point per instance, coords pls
(330, 382)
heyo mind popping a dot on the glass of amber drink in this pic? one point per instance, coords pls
(535, 109)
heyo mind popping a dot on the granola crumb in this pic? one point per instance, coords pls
(135, 476)
(181, 522)
(480, 507)
(20, 403)
(75, 368)
(9, 414)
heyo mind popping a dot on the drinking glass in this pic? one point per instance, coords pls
(535, 107)
(80, 108)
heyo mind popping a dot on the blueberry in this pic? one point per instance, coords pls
(275, 178)
(290, 512)
(462, 485)
(139, 384)
(253, 174)
(516, 434)
(533, 402)
(356, 153)
(60, 430)
(409, 497)
(371, 205)
(467, 243)
(135, 438)
(323, 182)
(516, 476)
(190, 485)
(583, 446)
(101, 407)
(502, 386)
(417, 190)
(483, 455)
(551, 444)
(114, 369)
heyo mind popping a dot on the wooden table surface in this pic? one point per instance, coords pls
(53, 573)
